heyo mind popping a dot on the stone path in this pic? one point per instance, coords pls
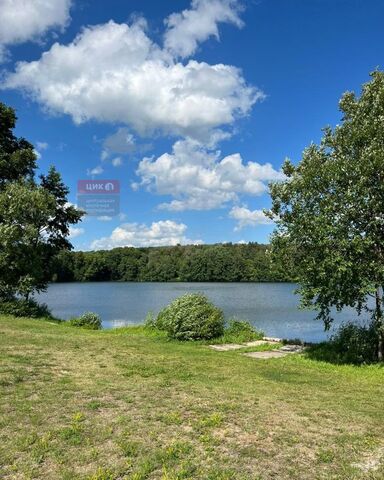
(280, 352)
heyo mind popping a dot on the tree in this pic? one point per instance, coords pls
(330, 212)
(34, 215)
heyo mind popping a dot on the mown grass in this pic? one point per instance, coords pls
(129, 404)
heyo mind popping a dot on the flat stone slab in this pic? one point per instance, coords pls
(225, 347)
(291, 348)
(281, 352)
(272, 339)
(256, 343)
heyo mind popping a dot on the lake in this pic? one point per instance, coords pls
(271, 307)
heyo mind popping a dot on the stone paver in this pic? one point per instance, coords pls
(281, 352)
(225, 347)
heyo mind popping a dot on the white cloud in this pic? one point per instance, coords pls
(42, 146)
(104, 155)
(200, 179)
(115, 73)
(164, 232)
(75, 232)
(187, 29)
(246, 217)
(23, 20)
(95, 171)
(104, 218)
(117, 162)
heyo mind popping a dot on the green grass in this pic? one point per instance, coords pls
(130, 404)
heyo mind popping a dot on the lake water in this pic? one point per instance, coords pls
(271, 307)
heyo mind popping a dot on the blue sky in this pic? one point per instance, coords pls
(192, 106)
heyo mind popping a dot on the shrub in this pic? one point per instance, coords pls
(19, 307)
(191, 317)
(88, 320)
(150, 320)
(241, 331)
(355, 343)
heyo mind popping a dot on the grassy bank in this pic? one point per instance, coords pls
(78, 404)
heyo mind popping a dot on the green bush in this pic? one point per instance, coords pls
(88, 320)
(239, 331)
(191, 317)
(355, 343)
(351, 344)
(24, 308)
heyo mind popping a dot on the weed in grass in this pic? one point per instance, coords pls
(102, 474)
(73, 434)
(211, 421)
(41, 446)
(94, 405)
(325, 455)
(172, 418)
(129, 448)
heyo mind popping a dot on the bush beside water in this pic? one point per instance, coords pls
(194, 317)
(191, 317)
(89, 320)
(351, 344)
(240, 331)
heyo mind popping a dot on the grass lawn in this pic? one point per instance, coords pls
(78, 404)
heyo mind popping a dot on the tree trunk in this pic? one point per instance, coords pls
(379, 324)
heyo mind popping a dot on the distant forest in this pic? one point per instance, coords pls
(192, 263)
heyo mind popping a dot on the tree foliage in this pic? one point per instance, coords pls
(330, 210)
(191, 263)
(34, 215)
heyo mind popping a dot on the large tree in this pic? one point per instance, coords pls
(34, 215)
(330, 211)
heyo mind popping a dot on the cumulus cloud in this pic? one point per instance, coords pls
(200, 179)
(117, 162)
(42, 145)
(23, 20)
(95, 171)
(115, 73)
(187, 29)
(75, 232)
(246, 217)
(164, 232)
(39, 148)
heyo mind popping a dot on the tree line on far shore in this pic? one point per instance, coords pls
(192, 263)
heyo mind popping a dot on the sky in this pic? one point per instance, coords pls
(191, 105)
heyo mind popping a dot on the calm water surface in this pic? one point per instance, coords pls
(272, 307)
